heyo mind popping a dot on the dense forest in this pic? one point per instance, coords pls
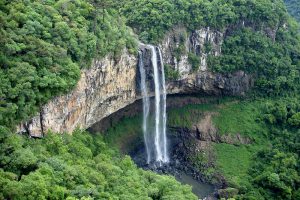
(45, 44)
(80, 166)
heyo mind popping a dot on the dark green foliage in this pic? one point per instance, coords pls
(45, 43)
(275, 64)
(277, 173)
(152, 18)
(43, 46)
(293, 6)
(171, 73)
(81, 166)
(179, 51)
(294, 120)
(283, 113)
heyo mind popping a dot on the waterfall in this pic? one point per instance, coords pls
(146, 106)
(164, 110)
(160, 118)
(157, 137)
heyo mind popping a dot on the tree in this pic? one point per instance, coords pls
(295, 120)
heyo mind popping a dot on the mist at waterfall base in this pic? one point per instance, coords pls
(159, 153)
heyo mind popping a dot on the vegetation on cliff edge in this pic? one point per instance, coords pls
(44, 44)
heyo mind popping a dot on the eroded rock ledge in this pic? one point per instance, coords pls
(109, 85)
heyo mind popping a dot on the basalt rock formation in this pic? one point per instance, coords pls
(109, 85)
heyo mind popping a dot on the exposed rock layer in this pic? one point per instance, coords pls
(108, 85)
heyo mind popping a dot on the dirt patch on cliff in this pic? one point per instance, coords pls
(205, 130)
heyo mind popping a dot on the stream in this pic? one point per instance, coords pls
(200, 189)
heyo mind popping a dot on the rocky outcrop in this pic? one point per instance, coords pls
(176, 48)
(213, 84)
(109, 85)
(178, 44)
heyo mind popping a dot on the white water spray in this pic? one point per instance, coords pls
(146, 106)
(157, 144)
(164, 110)
(158, 147)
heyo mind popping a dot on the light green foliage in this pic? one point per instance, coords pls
(240, 118)
(234, 163)
(81, 166)
(43, 46)
(232, 117)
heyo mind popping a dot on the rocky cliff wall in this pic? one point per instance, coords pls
(108, 85)
(104, 88)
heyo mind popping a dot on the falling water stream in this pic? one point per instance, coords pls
(160, 139)
(164, 110)
(146, 107)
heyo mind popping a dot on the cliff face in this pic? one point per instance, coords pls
(107, 86)
(102, 89)
(178, 43)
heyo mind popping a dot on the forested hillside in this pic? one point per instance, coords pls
(80, 166)
(249, 26)
(293, 7)
(45, 44)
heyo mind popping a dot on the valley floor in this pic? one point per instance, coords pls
(223, 141)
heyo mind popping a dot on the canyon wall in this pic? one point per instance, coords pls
(109, 85)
